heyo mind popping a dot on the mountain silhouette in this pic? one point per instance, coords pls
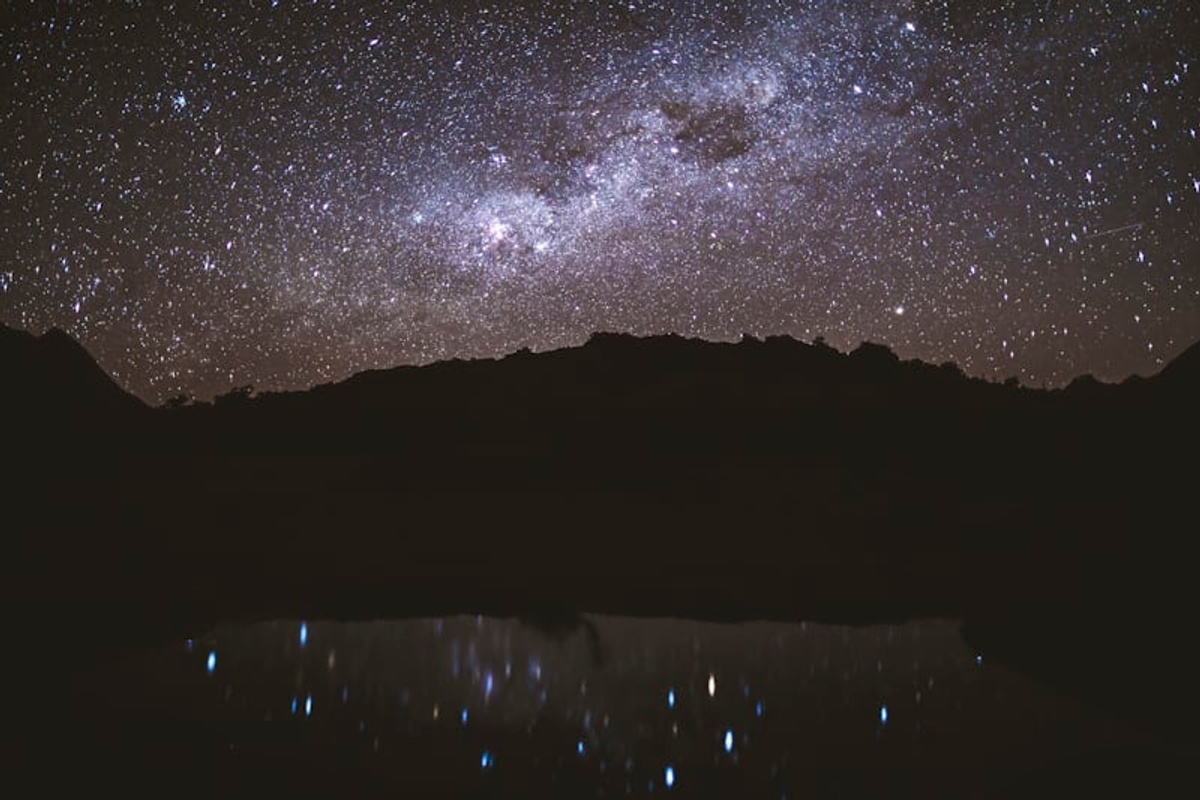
(661, 475)
(53, 376)
(1179, 380)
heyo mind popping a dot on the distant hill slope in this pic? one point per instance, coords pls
(1180, 379)
(614, 374)
(53, 377)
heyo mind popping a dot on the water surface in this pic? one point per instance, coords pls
(608, 707)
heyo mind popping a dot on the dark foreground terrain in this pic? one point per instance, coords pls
(639, 477)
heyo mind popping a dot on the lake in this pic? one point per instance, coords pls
(608, 706)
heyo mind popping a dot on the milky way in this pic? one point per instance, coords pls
(283, 194)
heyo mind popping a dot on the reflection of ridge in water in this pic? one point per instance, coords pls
(474, 702)
(560, 627)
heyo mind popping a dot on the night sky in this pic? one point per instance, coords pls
(282, 194)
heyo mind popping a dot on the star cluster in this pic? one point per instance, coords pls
(286, 193)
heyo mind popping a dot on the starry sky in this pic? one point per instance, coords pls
(209, 195)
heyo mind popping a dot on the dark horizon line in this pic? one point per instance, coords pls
(746, 339)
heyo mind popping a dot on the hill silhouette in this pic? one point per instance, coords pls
(53, 377)
(1179, 381)
(766, 478)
